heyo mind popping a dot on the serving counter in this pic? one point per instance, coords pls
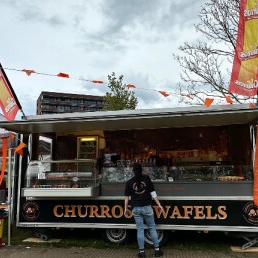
(235, 189)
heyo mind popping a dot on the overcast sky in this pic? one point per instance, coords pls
(90, 39)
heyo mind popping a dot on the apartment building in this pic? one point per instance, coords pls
(55, 102)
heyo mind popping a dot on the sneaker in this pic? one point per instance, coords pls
(158, 253)
(141, 254)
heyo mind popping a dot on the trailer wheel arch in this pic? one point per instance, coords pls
(116, 235)
(163, 236)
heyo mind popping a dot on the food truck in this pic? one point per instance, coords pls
(200, 159)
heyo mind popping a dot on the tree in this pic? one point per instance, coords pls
(206, 65)
(120, 97)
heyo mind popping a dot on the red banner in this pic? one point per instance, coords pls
(244, 77)
(8, 101)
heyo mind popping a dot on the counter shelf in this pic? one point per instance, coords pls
(91, 191)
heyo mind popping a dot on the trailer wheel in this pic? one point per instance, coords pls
(162, 237)
(116, 235)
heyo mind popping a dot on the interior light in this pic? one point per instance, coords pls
(88, 139)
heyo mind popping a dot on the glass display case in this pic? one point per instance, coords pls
(124, 173)
(60, 178)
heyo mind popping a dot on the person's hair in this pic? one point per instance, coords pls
(137, 169)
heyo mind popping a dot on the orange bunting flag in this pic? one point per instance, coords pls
(208, 102)
(96, 81)
(187, 95)
(12, 136)
(19, 148)
(164, 93)
(28, 72)
(252, 105)
(130, 86)
(64, 75)
(244, 77)
(229, 100)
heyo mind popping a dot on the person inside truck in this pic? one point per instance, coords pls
(141, 190)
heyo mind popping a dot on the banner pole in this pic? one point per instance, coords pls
(9, 194)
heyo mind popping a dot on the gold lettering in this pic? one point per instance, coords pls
(56, 213)
(69, 209)
(209, 216)
(188, 210)
(199, 214)
(105, 211)
(113, 211)
(80, 214)
(176, 213)
(164, 213)
(222, 212)
(94, 211)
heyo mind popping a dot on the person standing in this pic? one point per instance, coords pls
(141, 190)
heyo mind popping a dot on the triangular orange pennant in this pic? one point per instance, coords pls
(130, 86)
(64, 75)
(20, 152)
(208, 102)
(12, 136)
(96, 81)
(28, 72)
(229, 100)
(18, 149)
(187, 95)
(164, 93)
(251, 105)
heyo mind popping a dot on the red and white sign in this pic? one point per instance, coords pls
(244, 77)
(8, 102)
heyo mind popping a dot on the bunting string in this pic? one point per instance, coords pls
(207, 101)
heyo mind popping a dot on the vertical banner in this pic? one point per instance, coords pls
(244, 77)
(8, 100)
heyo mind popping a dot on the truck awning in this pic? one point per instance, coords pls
(193, 116)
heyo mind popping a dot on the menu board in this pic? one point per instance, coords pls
(87, 147)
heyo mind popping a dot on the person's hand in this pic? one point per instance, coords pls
(160, 208)
(127, 213)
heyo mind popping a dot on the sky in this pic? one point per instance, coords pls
(90, 39)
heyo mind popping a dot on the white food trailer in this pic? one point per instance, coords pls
(200, 159)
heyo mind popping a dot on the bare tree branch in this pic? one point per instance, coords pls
(206, 65)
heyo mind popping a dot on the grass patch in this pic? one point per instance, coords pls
(179, 240)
